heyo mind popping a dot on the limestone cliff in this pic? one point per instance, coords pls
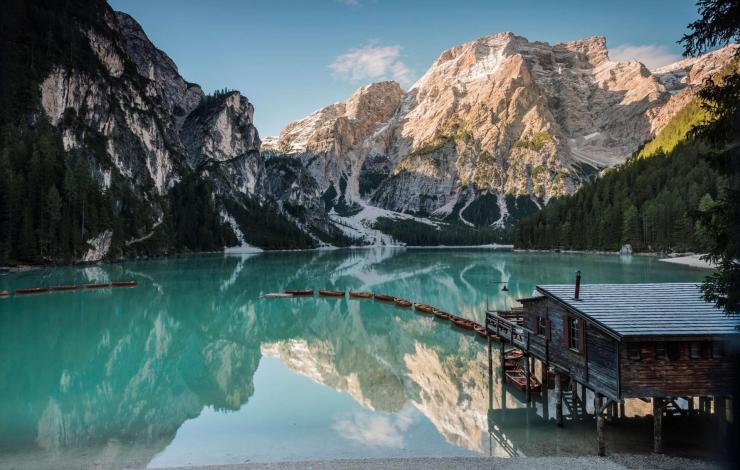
(502, 116)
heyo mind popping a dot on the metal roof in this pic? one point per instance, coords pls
(646, 309)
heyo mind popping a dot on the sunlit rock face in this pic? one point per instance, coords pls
(499, 114)
(140, 124)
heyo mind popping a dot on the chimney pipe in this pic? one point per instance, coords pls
(578, 285)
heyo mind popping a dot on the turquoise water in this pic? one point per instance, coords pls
(193, 367)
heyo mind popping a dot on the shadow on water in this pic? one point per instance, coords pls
(110, 376)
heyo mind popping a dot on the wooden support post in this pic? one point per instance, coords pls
(574, 393)
(558, 400)
(621, 409)
(720, 410)
(584, 399)
(527, 377)
(610, 413)
(658, 425)
(598, 404)
(691, 405)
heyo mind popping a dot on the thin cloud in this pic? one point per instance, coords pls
(371, 63)
(652, 55)
(351, 3)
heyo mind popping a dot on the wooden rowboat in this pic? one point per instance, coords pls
(361, 295)
(424, 308)
(513, 354)
(97, 286)
(331, 293)
(402, 303)
(481, 330)
(518, 379)
(31, 290)
(300, 293)
(64, 288)
(440, 314)
(276, 295)
(124, 284)
(4, 293)
(384, 298)
(462, 323)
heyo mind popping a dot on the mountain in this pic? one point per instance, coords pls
(651, 202)
(493, 130)
(106, 151)
(118, 155)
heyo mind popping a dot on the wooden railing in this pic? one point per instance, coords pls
(509, 328)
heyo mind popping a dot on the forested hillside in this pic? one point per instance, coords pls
(650, 202)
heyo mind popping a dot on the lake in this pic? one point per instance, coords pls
(192, 367)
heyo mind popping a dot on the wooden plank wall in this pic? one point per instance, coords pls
(650, 376)
(601, 372)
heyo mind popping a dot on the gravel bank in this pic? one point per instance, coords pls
(694, 261)
(613, 462)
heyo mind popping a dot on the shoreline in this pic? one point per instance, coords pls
(610, 462)
(682, 259)
(693, 261)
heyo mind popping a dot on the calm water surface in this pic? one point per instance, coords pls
(193, 367)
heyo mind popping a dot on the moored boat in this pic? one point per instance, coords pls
(384, 298)
(31, 290)
(299, 292)
(462, 323)
(424, 308)
(331, 293)
(97, 286)
(441, 314)
(518, 379)
(361, 295)
(124, 284)
(64, 288)
(4, 293)
(276, 295)
(403, 303)
(481, 330)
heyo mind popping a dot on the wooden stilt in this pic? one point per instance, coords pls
(609, 413)
(527, 376)
(598, 404)
(691, 405)
(621, 409)
(558, 400)
(658, 425)
(574, 392)
(720, 410)
(543, 392)
(584, 399)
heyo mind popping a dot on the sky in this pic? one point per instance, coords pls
(291, 57)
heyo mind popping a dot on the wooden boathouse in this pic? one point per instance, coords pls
(658, 342)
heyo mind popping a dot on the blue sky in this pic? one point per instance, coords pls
(292, 57)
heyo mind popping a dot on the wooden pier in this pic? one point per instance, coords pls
(656, 342)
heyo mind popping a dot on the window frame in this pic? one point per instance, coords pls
(661, 350)
(542, 326)
(574, 340)
(695, 350)
(634, 351)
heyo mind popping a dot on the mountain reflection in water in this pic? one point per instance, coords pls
(110, 376)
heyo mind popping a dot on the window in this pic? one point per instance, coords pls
(660, 351)
(717, 349)
(574, 334)
(541, 326)
(633, 350)
(674, 351)
(695, 350)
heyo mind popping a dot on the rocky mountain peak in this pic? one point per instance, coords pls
(499, 115)
(593, 49)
